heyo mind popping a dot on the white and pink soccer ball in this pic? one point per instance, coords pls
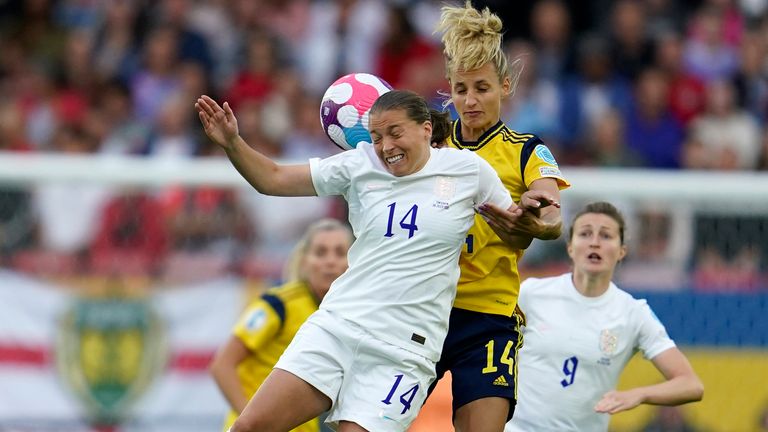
(345, 107)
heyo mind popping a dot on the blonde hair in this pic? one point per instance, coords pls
(472, 38)
(292, 271)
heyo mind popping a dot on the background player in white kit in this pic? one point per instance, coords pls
(581, 330)
(369, 352)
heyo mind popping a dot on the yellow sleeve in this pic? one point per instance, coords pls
(540, 163)
(258, 325)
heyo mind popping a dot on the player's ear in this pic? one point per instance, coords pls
(506, 86)
(622, 252)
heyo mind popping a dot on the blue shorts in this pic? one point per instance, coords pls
(480, 351)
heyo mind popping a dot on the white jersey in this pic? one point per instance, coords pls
(574, 349)
(403, 265)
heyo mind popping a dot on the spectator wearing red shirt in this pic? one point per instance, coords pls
(401, 47)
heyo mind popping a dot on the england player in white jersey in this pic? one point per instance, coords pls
(580, 332)
(369, 353)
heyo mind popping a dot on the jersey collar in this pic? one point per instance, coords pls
(486, 137)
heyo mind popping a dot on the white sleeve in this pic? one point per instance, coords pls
(652, 338)
(491, 188)
(333, 175)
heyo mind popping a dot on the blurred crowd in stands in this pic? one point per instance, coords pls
(664, 84)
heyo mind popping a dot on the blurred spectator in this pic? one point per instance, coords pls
(206, 220)
(130, 237)
(75, 80)
(172, 135)
(208, 230)
(285, 19)
(590, 93)
(34, 93)
(258, 132)
(12, 137)
(194, 82)
(686, 92)
(425, 15)
(157, 79)
(215, 21)
(244, 19)
(255, 81)
(724, 137)
(77, 14)
(533, 106)
(116, 46)
(338, 40)
(730, 20)
(713, 271)
(631, 49)
(730, 252)
(664, 16)
(750, 80)
(669, 419)
(111, 121)
(652, 131)
(306, 138)
(191, 46)
(551, 33)
(607, 143)
(278, 111)
(400, 47)
(13, 63)
(660, 240)
(708, 55)
(41, 39)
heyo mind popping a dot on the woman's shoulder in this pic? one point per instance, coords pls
(539, 284)
(629, 301)
(451, 154)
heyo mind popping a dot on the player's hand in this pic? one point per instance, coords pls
(537, 199)
(515, 220)
(617, 401)
(496, 216)
(219, 122)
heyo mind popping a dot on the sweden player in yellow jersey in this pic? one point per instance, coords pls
(268, 325)
(484, 332)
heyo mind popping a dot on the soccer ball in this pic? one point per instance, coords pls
(345, 106)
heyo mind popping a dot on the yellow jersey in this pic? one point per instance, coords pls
(266, 328)
(489, 281)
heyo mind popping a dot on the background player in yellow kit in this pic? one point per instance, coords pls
(268, 325)
(483, 337)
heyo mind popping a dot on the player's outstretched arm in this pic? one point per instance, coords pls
(682, 385)
(539, 218)
(220, 124)
(223, 368)
(501, 220)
